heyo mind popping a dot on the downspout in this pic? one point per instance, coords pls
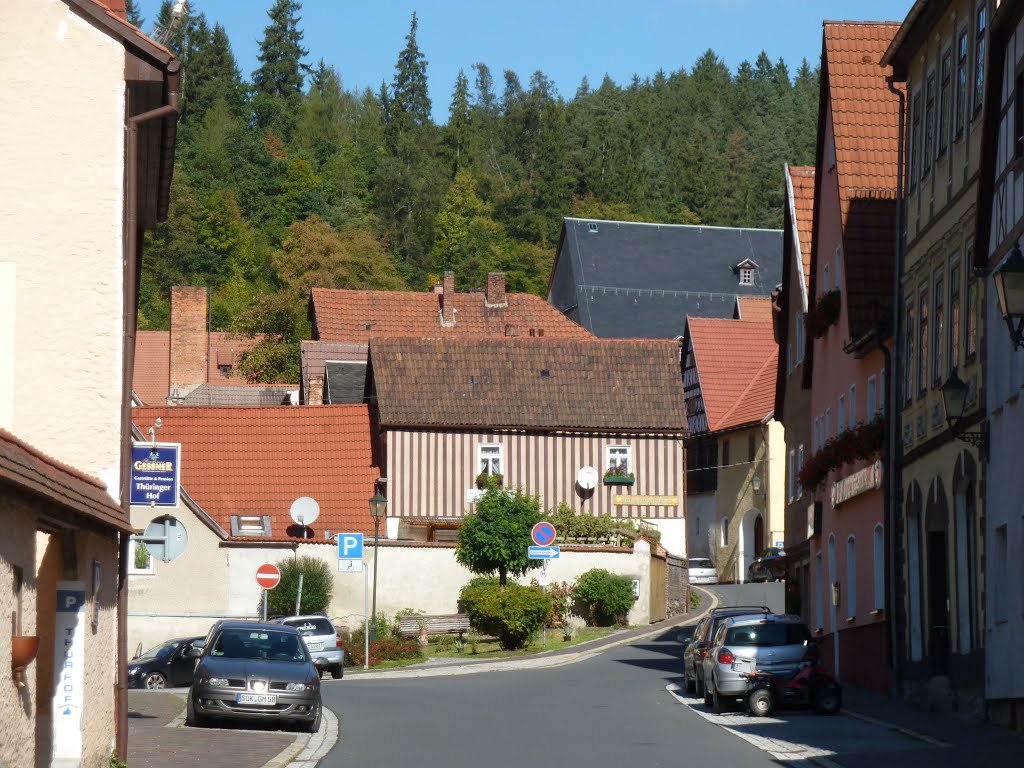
(893, 426)
(130, 296)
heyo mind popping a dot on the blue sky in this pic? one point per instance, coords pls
(565, 40)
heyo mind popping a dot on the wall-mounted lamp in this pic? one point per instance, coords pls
(954, 400)
(1009, 285)
(755, 483)
(835, 593)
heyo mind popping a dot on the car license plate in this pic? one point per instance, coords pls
(256, 698)
(315, 646)
(743, 665)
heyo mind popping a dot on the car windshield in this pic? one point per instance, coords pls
(258, 644)
(769, 634)
(699, 563)
(160, 651)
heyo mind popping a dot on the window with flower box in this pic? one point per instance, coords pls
(490, 460)
(618, 465)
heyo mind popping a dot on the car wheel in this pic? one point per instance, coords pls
(337, 672)
(708, 698)
(718, 703)
(761, 703)
(688, 684)
(312, 726)
(826, 698)
(193, 718)
(154, 681)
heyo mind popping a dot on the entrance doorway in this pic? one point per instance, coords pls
(758, 535)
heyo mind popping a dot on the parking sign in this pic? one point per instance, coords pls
(350, 546)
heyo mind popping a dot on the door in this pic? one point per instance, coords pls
(938, 602)
(181, 667)
(758, 535)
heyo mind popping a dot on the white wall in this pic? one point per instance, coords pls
(700, 516)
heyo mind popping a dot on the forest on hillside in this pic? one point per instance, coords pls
(287, 180)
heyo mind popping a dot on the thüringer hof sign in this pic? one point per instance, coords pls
(861, 481)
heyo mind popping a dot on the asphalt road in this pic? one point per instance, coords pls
(609, 710)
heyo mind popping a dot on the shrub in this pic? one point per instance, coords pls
(317, 585)
(477, 581)
(607, 595)
(511, 614)
(384, 649)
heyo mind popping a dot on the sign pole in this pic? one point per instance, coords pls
(298, 597)
(366, 624)
(264, 606)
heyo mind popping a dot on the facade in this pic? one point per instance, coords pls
(89, 129)
(538, 413)
(735, 443)
(939, 54)
(854, 230)
(624, 280)
(999, 230)
(792, 397)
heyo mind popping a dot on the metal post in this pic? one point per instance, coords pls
(376, 533)
(264, 605)
(366, 629)
(298, 598)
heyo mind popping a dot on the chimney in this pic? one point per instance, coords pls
(448, 300)
(190, 343)
(495, 296)
(437, 288)
(315, 396)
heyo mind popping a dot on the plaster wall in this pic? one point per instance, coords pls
(61, 180)
(700, 518)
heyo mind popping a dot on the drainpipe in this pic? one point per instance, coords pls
(130, 295)
(893, 426)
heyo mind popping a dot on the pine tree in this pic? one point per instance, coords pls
(456, 135)
(410, 105)
(131, 9)
(278, 81)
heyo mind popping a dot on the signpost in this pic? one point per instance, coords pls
(268, 576)
(542, 553)
(543, 534)
(350, 560)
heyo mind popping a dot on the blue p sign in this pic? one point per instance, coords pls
(350, 546)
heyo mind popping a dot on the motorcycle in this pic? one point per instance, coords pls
(810, 686)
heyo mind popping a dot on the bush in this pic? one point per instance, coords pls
(511, 614)
(608, 595)
(477, 581)
(383, 649)
(317, 585)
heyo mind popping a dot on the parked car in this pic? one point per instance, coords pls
(322, 642)
(256, 671)
(702, 571)
(164, 665)
(693, 653)
(770, 565)
(742, 644)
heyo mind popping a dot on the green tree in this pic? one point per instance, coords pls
(277, 82)
(609, 596)
(317, 587)
(409, 105)
(456, 136)
(131, 9)
(495, 537)
(278, 321)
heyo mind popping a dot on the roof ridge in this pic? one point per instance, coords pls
(754, 379)
(664, 224)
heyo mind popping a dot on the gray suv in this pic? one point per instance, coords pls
(321, 641)
(772, 643)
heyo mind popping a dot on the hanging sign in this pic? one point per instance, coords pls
(155, 472)
(861, 481)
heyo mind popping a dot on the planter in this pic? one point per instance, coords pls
(23, 650)
(483, 477)
(619, 479)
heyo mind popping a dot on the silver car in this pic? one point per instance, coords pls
(322, 642)
(773, 643)
(702, 571)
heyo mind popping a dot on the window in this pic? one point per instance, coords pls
(945, 98)
(828, 424)
(853, 406)
(140, 559)
(799, 466)
(908, 355)
(801, 336)
(725, 453)
(751, 446)
(841, 415)
(954, 315)
(999, 571)
(939, 328)
(979, 56)
(872, 398)
(489, 458)
(815, 442)
(922, 334)
(839, 268)
(961, 82)
(619, 457)
(819, 593)
(971, 328)
(591, 227)
(826, 281)
(1018, 114)
(723, 532)
(791, 482)
(851, 578)
(878, 545)
(746, 276)
(915, 140)
(881, 391)
(927, 153)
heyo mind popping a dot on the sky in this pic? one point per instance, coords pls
(565, 40)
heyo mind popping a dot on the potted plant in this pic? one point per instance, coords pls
(825, 313)
(23, 650)
(618, 474)
(483, 477)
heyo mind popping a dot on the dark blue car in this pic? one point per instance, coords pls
(164, 666)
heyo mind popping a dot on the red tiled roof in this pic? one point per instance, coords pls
(358, 316)
(755, 308)
(736, 365)
(257, 461)
(31, 471)
(802, 202)
(114, 10)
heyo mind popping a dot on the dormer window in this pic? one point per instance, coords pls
(746, 269)
(591, 227)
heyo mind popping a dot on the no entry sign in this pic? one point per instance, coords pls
(268, 576)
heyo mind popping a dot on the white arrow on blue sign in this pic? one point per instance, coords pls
(350, 546)
(542, 553)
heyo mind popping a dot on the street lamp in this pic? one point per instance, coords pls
(954, 401)
(378, 508)
(1009, 285)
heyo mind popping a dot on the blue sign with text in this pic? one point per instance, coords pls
(350, 546)
(155, 471)
(542, 553)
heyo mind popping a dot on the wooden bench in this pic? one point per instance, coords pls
(447, 624)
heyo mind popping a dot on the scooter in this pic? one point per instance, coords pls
(810, 685)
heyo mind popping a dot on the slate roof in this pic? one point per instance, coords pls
(257, 461)
(28, 470)
(358, 316)
(345, 382)
(637, 280)
(865, 120)
(736, 364)
(551, 384)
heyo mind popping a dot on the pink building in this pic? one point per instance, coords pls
(848, 335)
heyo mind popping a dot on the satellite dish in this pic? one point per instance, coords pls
(587, 478)
(305, 510)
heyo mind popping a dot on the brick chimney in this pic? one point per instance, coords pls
(495, 296)
(315, 396)
(448, 300)
(190, 342)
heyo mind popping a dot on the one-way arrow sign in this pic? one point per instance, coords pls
(542, 553)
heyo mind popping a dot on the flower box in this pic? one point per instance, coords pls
(619, 479)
